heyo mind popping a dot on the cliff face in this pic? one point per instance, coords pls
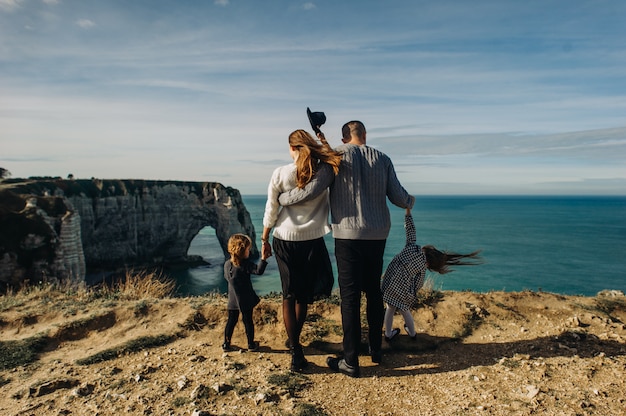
(119, 223)
(40, 239)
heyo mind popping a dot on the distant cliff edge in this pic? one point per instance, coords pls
(59, 229)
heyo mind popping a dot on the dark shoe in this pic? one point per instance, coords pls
(226, 346)
(253, 347)
(298, 361)
(414, 337)
(377, 356)
(394, 332)
(340, 366)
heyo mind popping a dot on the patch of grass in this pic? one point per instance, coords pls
(319, 327)
(236, 366)
(510, 363)
(276, 296)
(334, 298)
(240, 388)
(473, 319)
(118, 384)
(134, 345)
(143, 284)
(428, 295)
(307, 409)
(195, 322)
(609, 304)
(10, 301)
(291, 382)
(197, 302)
(265, 315)
(141, 308)
(605, 304)
(17, 353)
(72, 297)
(180, 401)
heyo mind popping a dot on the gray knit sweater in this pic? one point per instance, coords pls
(358, 194)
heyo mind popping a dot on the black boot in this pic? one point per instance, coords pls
(298, 362)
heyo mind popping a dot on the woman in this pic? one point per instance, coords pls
(298, 243)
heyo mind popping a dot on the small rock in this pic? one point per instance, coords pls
(199, 392)
(221, 387)
(611, 293)
(182, 382)
(532, 391)
(84, 389)
(52, 386)
(259, 398)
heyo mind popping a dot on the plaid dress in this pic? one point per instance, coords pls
(405, 274)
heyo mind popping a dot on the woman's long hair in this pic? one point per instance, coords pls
(441, 261)
(310, 155)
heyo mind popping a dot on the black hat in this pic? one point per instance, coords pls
(316, 119)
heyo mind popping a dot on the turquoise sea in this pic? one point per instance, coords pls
(568, 245)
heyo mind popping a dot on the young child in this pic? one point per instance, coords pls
(241, 296)
(405, 276)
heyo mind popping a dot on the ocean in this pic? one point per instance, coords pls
(568, 244)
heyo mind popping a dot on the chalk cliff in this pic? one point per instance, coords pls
(54, 228)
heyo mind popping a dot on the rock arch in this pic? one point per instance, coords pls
(120, 223)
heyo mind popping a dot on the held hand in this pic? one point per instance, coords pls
(266, 251)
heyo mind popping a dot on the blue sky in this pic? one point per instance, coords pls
(467, 97)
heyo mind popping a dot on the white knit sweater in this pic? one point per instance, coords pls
(299, 222)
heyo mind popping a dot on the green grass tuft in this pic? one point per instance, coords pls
(307, 409)
(291, 382)
(17, 353)
(134, 345)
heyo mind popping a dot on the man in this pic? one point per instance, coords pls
(360, 223)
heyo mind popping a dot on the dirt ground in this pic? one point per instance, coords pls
(495, 353)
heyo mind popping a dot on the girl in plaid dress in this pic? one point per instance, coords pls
(405, 276)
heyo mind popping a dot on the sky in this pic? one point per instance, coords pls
(490, 97)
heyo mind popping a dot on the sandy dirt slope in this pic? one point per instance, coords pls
(476, 354)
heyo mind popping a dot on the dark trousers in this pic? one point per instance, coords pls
(359, 269)
(248, 323)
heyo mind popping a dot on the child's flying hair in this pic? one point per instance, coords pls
(237, 245)
(440, 261)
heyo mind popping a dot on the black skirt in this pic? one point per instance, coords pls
(305, 269)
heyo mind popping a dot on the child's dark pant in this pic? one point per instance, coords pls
(246, 318)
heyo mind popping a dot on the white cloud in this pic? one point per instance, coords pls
(448, 93)
(9, 5)
(85, 23)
